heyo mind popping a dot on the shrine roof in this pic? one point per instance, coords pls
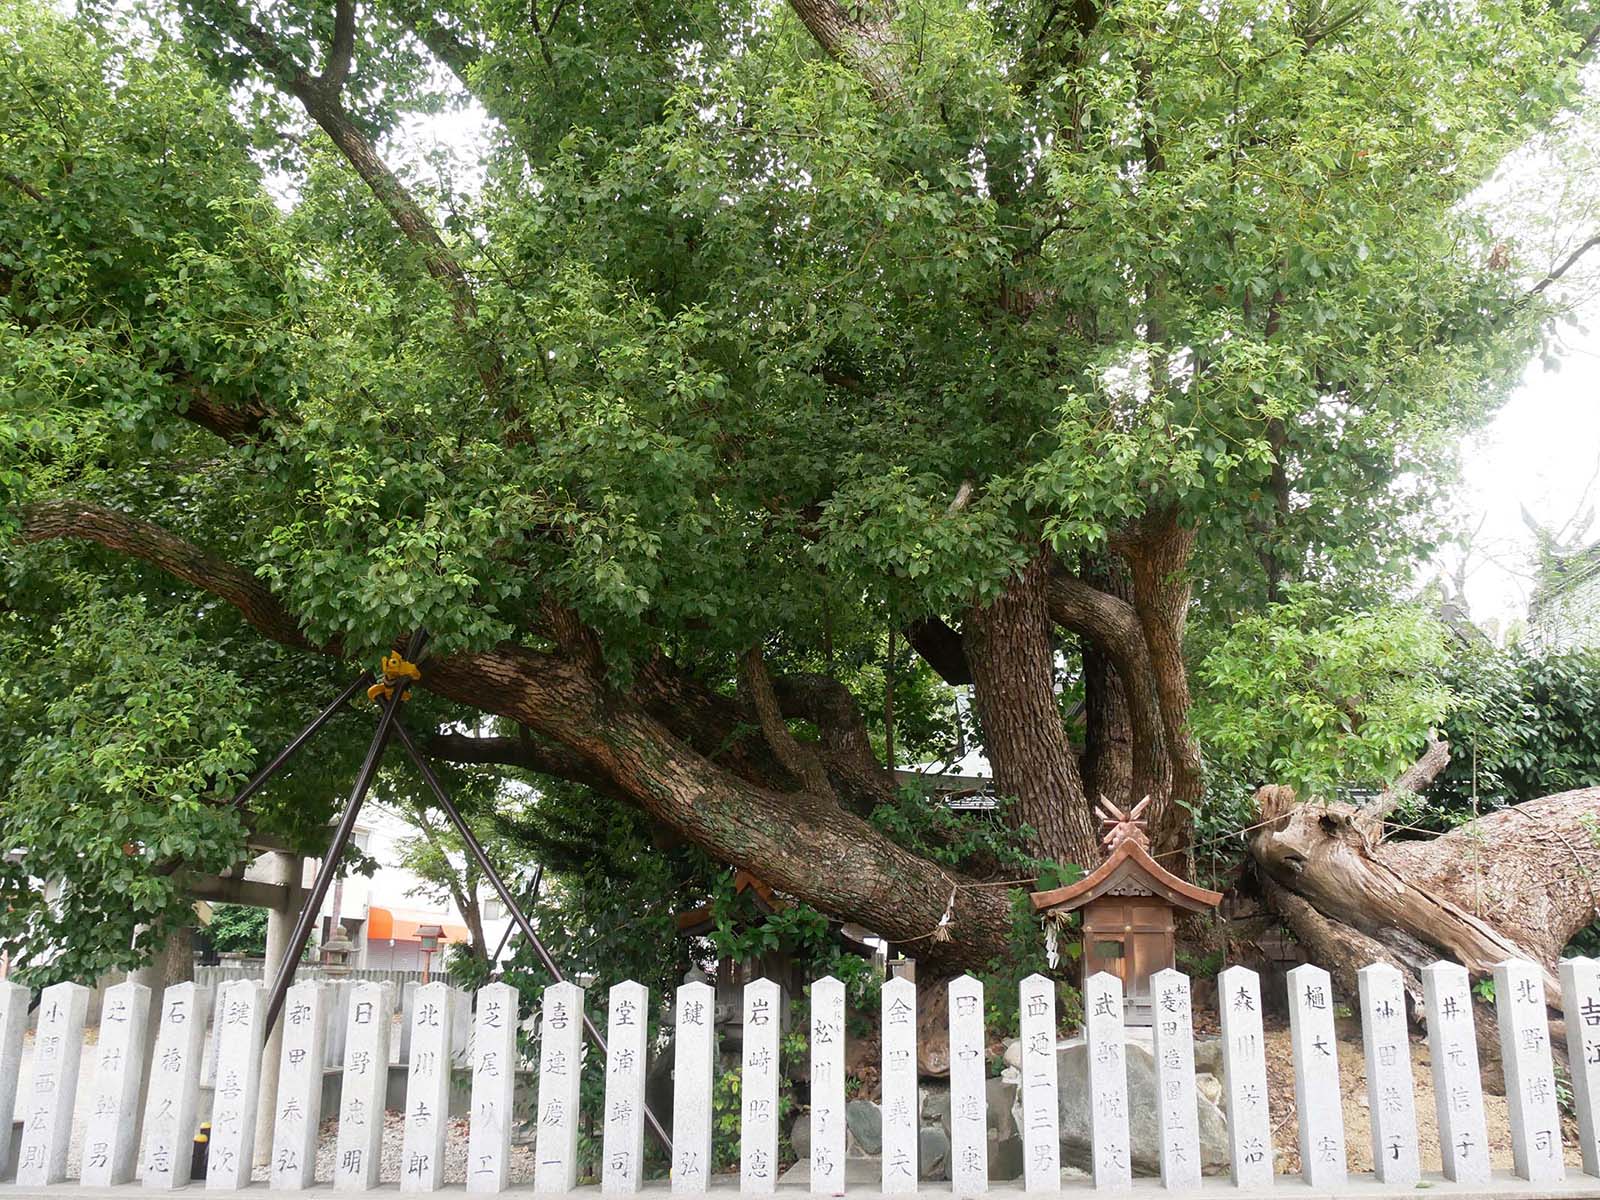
(1128, 863)
(701, 920)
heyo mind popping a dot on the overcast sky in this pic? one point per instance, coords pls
(1542, 452)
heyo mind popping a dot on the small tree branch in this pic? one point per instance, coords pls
(342, 52)
(862, 46)
(1415, 779)
(183, 559)
(1565, 265)
(799, 760)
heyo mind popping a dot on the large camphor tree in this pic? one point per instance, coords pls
(747, 341)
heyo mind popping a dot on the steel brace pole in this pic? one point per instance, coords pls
(475, 849)
(387, 722)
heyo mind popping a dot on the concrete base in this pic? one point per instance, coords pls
(1503, 1186)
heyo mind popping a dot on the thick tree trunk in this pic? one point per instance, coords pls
(1158, 562)
(1012, 657)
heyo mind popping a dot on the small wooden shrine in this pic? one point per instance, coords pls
(1129, 908)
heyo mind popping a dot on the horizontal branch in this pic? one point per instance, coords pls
(73, 519)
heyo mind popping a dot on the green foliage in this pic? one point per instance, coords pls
(1307, 694)
(114, 751)
(238, 929)
(749, 334)
(1528, 725)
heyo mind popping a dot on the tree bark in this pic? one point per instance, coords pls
(810, 847)
(1009, 648)
(1158, 561)
(1532, 867)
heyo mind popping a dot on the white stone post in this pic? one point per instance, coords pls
(13, 1026)
(299, 1104)
(627, 1029)
(1391, 1098)
(827, 1087)
(47, 1108)
(240, 1024)
(1245, 1068)
(758, 1089)
(358, 1152)
(1041, 1139)
(1530, 1075)
(1177, 1107)
(901, 1127)
(174, 1092)
(287, 871)
(1580, 1001)
(1457, 1088)
(1318, 1103)
(560, 1065)
(969, 1144)
(693, 1066)
(427, 1089)
(110, 1141)
(494, 1085)
(1108, 1082)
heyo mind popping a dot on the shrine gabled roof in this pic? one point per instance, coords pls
(701, 920)
(1128, 863)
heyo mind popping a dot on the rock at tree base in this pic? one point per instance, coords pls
(1072, 1062)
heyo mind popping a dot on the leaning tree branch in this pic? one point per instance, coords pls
(798, 759)
(1412, 781)
(74, 519)
(320, 97)
(342, 52)
(863, 46)
(528, 752)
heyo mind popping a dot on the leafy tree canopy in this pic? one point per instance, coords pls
(755, 333)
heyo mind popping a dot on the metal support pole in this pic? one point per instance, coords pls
(362, 681)
(341, 838)
(475, 849)
(533, 894)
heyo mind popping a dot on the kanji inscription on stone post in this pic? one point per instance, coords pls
(240, 1024)
(899, 1086)
(1519, 1002)
(969, 1143)
(694, 1062)
(1316, 1077)
(109, 1145)
(294, 1137)
(622, 1153)
(359, 1150)
(433, 1020)
(1041, 1138)
(1108, 1082)
(1580, 1002)
(1457, 1089)
(494, 1083)
(1245, 1067)
(1177, 1110)
(1391, 1100)
(827, 1087)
